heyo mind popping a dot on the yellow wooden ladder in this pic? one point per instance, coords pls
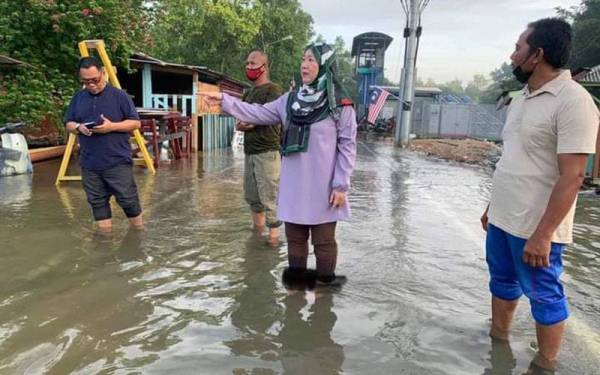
(84, 47)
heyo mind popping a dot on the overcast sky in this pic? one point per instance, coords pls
(460, 37)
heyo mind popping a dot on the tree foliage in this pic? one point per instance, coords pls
(213, 33)
(345, 68)
(502, 80)
(480, 89)
(220, 34)
(586, 30)
(454, 87)
(282, 18)
(477, 87)
(44, 34)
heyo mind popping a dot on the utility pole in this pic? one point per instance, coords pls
(412, 33)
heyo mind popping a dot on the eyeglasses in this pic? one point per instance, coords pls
(91, 81)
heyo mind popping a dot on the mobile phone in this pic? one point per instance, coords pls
(90, 124)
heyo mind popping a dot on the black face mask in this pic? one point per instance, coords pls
(520, 75)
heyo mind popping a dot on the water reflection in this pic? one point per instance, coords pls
(15, 191)
(501, 358)
(305, 338)
(257, 313)
(67, 321)
(197, 293)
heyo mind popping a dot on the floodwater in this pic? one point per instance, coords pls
(198, 293)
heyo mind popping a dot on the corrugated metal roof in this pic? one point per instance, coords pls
(370, 40)
(592, 76)
(420, 90)
(147, 59)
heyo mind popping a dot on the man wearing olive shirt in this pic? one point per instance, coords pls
(261, 149)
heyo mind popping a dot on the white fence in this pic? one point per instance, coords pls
(186, 104)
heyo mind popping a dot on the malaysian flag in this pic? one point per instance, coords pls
(378, 97)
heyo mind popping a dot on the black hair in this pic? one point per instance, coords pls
(89, 62)
(554, 37)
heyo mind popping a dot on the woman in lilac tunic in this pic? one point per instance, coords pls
(319, 149)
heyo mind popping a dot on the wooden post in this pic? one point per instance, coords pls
(195, 113)
(147, 86)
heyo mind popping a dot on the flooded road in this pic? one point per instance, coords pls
(198, 293)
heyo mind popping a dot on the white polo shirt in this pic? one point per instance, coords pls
(559, 118)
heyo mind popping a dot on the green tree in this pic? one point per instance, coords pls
(285, 30)
(502, 80)
(320, 39)
(586, 38)
(477, 87)
(388, 82)
(215, 34)
(44, 34)
(345, 68)
(220, 34)
(430, 83)
(177, 30)
(586, 33)
(454, 87)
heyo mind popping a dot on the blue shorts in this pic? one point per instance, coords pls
(510, 277)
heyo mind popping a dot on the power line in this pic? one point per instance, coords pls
(404, 7)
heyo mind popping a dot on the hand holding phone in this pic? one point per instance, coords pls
(105, 126)
(83, 129)
(90, 124)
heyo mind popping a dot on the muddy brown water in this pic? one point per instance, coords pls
(198, 293)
